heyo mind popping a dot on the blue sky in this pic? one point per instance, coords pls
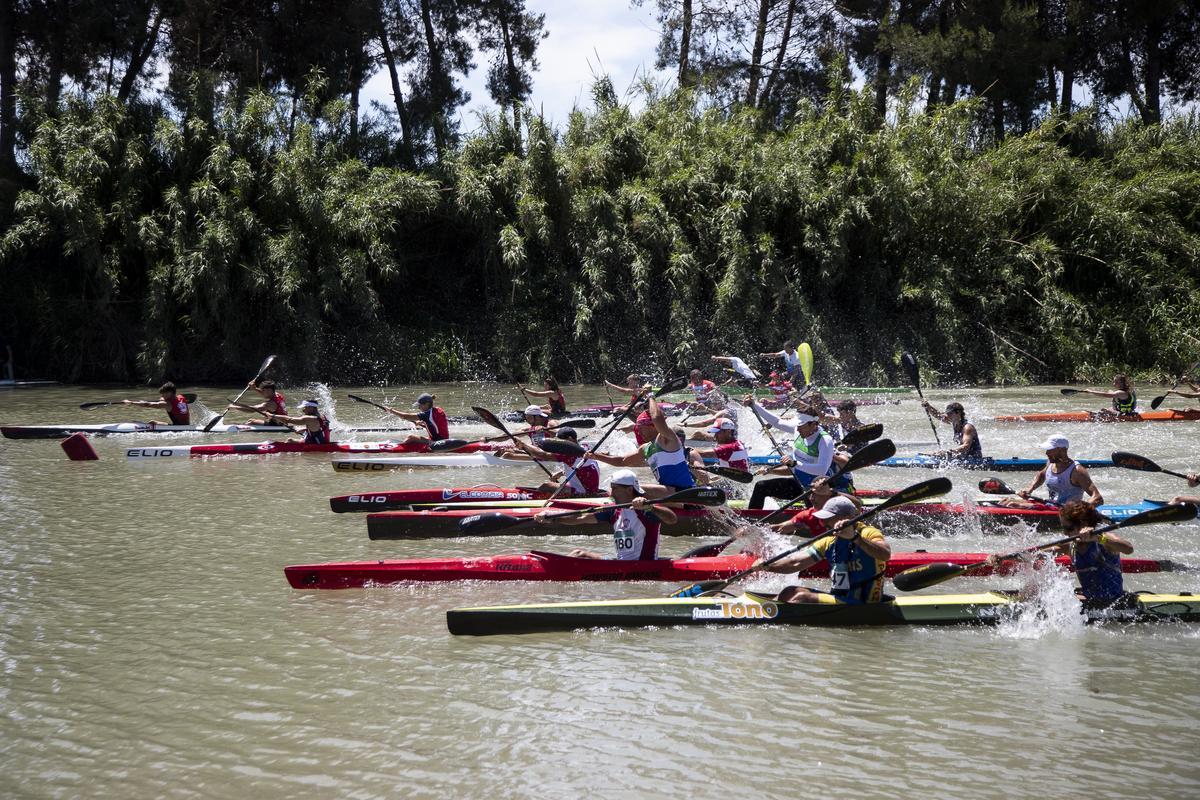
(587, 39)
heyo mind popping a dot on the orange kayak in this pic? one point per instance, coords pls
(1186, 415)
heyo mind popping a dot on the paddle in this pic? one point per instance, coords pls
(358, 399)
(673, 385)
(738, 475)
(805, 354)
(866, 433)
(1158, 401)
(1142, 464)
(495, 521)
(494, 421)
(997, 486)
(909, 362)
(871, 454)
(910, 580)
(189, 397)
(1071, 391)
(918, 491)
(267, 362)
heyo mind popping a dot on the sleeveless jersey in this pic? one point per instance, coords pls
(1061, 490)
(855, 577)
(976, 450)
(321, 436)
(635, 533)
(732, 455)
(558, 403)
(669, 468)
(177, 411)
(813, 460)
(436, 423)
(280, 406)
(1126, 406)
(1099, 571)
(582, 475)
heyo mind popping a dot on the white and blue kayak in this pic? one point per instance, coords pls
(930, 462)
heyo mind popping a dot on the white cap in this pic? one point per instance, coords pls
(803, 419)
(626, 477)
(723, 424)
(1055, 442)
(836, 507)
(309, 404)
(535, 411)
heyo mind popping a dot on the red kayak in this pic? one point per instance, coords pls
(275, 448)
(405, 499)
(542, 566)
(1186, 415)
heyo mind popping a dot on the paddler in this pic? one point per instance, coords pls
(171, 400)
(811, 457)
(662, 451)
(1066, 479)
(553, 394)
(729, 452)
(857, 555)
(844, 423)
(742, 375)
(704, 390)
(582, 475)
(966, 437)
(432, 417)
(1124, 399)
(781, 388)
(806, 521)
(791, 362)
(633, 387)
(273, 401)
(635, 530)
(1193, 480)
(311, 422)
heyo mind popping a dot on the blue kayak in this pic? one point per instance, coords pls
(929, 462)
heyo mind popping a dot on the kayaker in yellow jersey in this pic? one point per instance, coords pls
(1124, 398)
(966, 437)
(1066, 479)
(857, 555)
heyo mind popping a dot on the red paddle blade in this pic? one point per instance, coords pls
(78, 448)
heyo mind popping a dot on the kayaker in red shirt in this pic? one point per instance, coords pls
(273, 402)
(429, 416)
(635, 530)
(729, 452)
(804, 523)
(582, 474)
(172, 401)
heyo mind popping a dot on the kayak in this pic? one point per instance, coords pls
(537, 565)
(112, 428)
(442, 521)
(1172, 415)
(929, 462)
(762, 609)
(274, 448)
(470, 459)
(406, 499)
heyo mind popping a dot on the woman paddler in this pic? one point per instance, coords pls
(1124, 399)
(811, 456)
(432, 417)
(553, 394)
(662, 451)
(171, 400)
(966, 437)
(311, 422)
(635, 530)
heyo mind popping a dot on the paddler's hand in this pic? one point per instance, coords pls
(638, 503)
(1087, 535)
(993, 561)
(540, 517)
(843, 530)
(1193, 479)
(787, 461)
(1024, 494)
(748, 400)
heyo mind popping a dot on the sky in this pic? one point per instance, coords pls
(587, 40)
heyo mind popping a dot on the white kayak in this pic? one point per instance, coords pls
(111, 428)
(381, 463)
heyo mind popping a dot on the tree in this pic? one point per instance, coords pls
(506, 28)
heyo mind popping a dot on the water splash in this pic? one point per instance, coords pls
(1049, 605)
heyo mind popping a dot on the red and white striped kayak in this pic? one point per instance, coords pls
(275, 448)
(542, 566)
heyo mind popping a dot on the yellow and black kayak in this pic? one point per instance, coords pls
(762, 609)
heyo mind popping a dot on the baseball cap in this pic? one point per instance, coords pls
(309, 404)
(803, 419)
(626, 477)
(1055, 442)
(723, 424)
(535, 411)
(566, 433)
(424, 398)
(836, 507)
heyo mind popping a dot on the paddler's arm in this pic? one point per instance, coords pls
(969, 435)
(1083, 479)
(768, 417)
(665, 434)
(1109, 541)
(876, 548)
(532, 450)
(1037, 481)
(665, 515)
(634, 459)
(585, 517)
(1101, 393)
(535, 392)
(408, 415)
(797, 563)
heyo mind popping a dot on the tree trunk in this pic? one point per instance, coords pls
(760, 33)
(140, 55)
(1131, 84)
(685, 44)
(1153, 76)
(436, 79)
(513, 80)
(389, 58)
(935, 92)
(998, 119)
(8, 87)
(777, 67)
(883, 59)
(1068, 78)
(54, 68)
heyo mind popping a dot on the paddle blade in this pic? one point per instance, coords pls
(697, 495)
(1070, 391)
(910, 580)
(489, 418)
(918, 491)
(87, 406)
(562, 447)
(871, 454)
(577, 423)
(264, 366)
(1135, 462)
(805, 354)
(697, 589)
(866, 433)
(673, 385)
(492, 522)
(1184, 512)
(709, 550)
(447, 444)
(1158, 401)
(909, 362)
(994, 486)
(738, 475)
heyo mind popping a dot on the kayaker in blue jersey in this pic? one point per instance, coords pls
(1096, 559)
(857, 555)
(1124, 399)
(311, 422)
(635, 530)
(1066, 479)
(812, 456)
(662, 451)
(966, 437)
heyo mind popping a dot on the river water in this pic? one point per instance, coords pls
(151, 647)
